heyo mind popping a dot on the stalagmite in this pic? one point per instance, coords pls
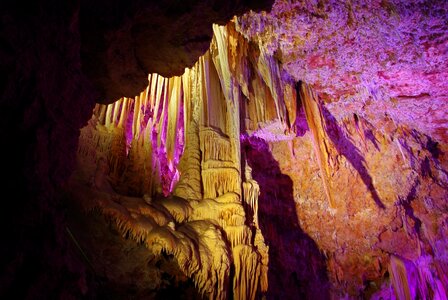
(251, 191)
(263, 250)
(189, 185)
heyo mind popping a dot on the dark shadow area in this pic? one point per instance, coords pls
(346, 148)
(431, 166)
(300, 125)
(407, 205)
(297, 269)
(368, 133)
(369, 136)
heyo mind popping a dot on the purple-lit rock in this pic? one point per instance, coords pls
(371, 57)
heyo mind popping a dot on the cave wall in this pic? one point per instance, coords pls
(368, 186)
(45, 99)
(373, 146)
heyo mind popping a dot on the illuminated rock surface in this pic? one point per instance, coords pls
(317, 183)
(303, 153)
(364, 57)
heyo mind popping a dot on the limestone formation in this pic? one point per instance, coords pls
(175, 152)
(185, 179)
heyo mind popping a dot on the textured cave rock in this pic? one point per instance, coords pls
(379, 120)
(367, 56)
(121, 267)
(297, 267)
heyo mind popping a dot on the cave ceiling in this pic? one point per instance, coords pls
(123, 41)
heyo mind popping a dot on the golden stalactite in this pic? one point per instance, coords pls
(319, 136)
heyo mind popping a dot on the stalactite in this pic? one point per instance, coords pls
(238, 235)
(245, 69)
(399, 277)
(108, 117)
(123, 114)
(290, 99)
(222, 60)
(174, 108)
(150, 130)
(189, 185)
(315, 122)
(269, 70)
(117, 153)
(115, 109)
(213, 99)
